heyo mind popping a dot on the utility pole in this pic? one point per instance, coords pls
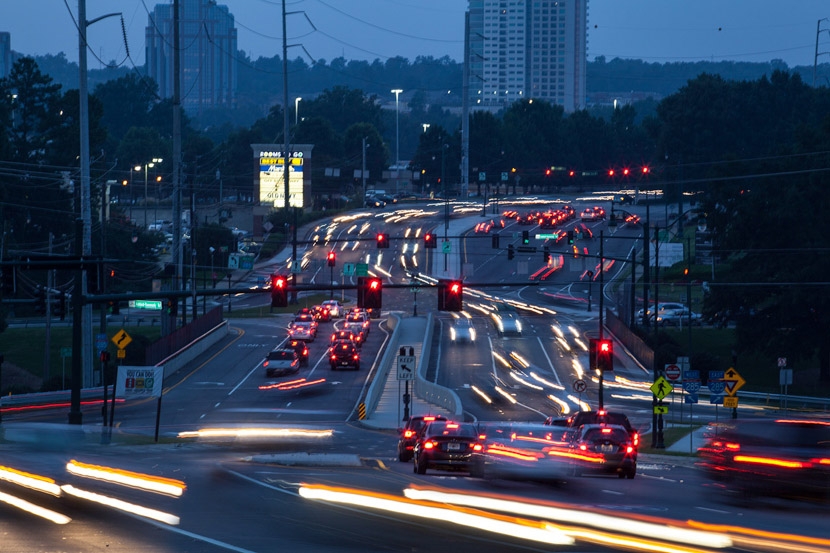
(286, 155)
(363, 174)
(177, 154)
(465, 111)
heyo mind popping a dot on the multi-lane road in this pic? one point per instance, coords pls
(332, 484)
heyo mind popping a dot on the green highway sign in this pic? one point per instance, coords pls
(362, 269)
(146, 304)
(553, 236)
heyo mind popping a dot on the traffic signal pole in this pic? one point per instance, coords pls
(601, 320)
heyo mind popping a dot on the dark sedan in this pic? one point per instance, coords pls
(604, 448)
(409, 434)
(445, 445)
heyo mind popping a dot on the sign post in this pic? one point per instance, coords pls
(140, 382)
(406, 372)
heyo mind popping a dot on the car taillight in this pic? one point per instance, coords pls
(356, 357)
(265, 364)
(408, 433)
(429, 445)
(305, 352)
(732, 446)
(333, 357)
(636, 439)
(629, 450)
(477, 447)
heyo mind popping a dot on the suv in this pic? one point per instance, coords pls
(409, 434)
(343, 353)
(597, 417)
(281, 362)
(335, 308)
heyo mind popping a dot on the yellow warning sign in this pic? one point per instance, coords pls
(121, 339)
(730, 401)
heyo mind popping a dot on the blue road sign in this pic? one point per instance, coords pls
(691, 386)
(101, 342)
(690, 397)
(716, 399)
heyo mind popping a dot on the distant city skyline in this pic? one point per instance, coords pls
(650, 30)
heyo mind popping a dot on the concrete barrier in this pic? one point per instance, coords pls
(429, 391)
(379, 381)
(194, 349)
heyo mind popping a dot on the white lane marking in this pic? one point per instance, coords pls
(552, 368)
(195, 536)
(247, 376)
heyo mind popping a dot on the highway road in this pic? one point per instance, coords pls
(333, 484)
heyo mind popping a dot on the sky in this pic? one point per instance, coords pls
(652, 30)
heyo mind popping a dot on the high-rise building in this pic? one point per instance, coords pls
(5, 54)
(523, 49)
(208, 63)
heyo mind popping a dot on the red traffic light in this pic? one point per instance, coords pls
(279, 291)
(571, 173)
(383, 240)
(450, 295)
(646, 169)
(369, 292)
(547, 172)
(331, 258)
(626, 171)
(610, 172)
(374, 284)
(429, 240)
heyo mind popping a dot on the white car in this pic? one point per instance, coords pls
(507, 321)
(462, 330)
(335, 308)
(302, 331)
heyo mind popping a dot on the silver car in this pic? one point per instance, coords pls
(462, 330)
(506, 320)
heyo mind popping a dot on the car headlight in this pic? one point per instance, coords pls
(452, 334)
(519, 326)
(472, 335)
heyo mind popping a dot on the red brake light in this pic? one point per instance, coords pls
(408, 433)
(606, 430)
(429, 445)
(333, 357)
(602, 412)
(477, 447)
(629, 449)
(429, 419)
(636, 439)
(452, 425)
(265, 364)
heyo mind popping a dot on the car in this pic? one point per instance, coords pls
(663, 309)
(785, 457)
(310, 318)
(281, 362)
(506, 320)
(462, 330)
(343, 353)
(600, 416)
(522, 451)
(335, 308)
(374, 201)
(302, 331)
(603, 448)
(387, 198)
(342, 335)
(358, 320)
(445, 445)
(302, 350)
(409, 434)
(588, 214)
(322, 313)
(680, 317)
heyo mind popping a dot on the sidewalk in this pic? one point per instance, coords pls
(389, 412)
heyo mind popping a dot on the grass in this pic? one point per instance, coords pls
(24, 351)
(671, 435)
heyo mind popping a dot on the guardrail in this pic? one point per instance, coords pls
(379, 382)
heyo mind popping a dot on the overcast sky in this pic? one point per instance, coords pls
(652, 30)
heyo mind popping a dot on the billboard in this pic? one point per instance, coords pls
(272, 179)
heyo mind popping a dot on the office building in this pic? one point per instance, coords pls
(208, 63)
(5, 54)
(523, 49)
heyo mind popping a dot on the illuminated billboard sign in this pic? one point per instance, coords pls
(272, 179)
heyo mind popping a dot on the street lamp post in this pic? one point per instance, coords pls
(397, 92)
(146, 167)
(297, 111)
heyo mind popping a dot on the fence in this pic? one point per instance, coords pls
(179, 339)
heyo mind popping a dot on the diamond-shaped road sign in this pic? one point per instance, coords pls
(732, 381)
(661, 387)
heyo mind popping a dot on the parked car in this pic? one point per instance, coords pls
(445, 445)
(409, 434)
(680, 317)
(281, 362)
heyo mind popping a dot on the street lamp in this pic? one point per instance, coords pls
(397, 92)
(147, 166)
(297, 111)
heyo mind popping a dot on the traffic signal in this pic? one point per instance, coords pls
(450, 295)
(383, 240)
(604, 355)
(547, 254)
(279, 291)
(331, 259)
(570, 237)
(369, 292)
(172, 307)
(511, 252)
(525, 237)
(40, 300)
(495, 239)
(429, 240)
